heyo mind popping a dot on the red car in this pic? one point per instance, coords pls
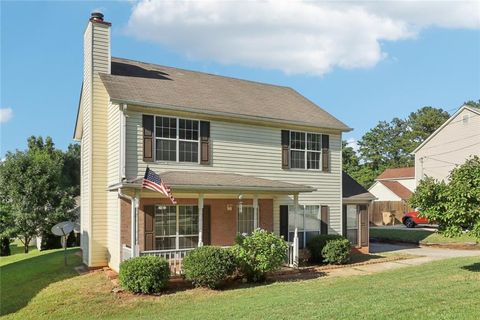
(411, 219)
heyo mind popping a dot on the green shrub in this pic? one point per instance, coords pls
(337, 251)
(146, 274)
(316, 244)
(259, 253)
(208, 266)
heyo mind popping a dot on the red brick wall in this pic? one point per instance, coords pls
(223, 227)
(125, 223)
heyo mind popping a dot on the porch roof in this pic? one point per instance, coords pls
(217, 181)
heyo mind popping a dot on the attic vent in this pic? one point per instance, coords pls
(465, 118)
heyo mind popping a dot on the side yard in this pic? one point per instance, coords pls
(448, 290)
(418, 236)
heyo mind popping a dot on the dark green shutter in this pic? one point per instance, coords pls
(284, 222)
(324, 219)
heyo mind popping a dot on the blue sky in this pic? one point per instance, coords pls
(435, 63)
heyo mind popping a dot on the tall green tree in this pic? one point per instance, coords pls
(34, 190)
(390, 144)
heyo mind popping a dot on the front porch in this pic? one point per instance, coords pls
(151, 225)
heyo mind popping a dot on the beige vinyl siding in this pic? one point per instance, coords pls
(85, 184)
(250, 150)
(453, 144)
(94, 146)
(113, 218)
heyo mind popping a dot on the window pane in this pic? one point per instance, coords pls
(245, 220)
(188, 220)
(312, 218)
(314, 141)
(297, 140)
(188, 129)
(299, 218)
(166, 127)
(165, 220)
(313, 160)
(188, 151)
(297, 159)
(352, 224)
(188, 242)
(164, 243)
(166, 150)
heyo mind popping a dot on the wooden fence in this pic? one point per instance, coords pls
(398, 208)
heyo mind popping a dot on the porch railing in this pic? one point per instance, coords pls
(126, 252)
(292, 252)
(174, 257)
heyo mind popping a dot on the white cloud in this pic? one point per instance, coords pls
(296, 37)
(5, 114)
(352, 142)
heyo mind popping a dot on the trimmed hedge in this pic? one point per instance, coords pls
(145, 274)
(316, 245)
(208, 266)
(337, 251)
(259, 253)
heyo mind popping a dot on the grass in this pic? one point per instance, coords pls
(447, 289)
(418, 236)
(23, 276)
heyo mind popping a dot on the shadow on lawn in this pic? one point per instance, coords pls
(23, 280)
(474, 267)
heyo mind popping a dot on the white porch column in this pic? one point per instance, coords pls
(134, 225)
(295, 234)
(255, 212)
(200, 220)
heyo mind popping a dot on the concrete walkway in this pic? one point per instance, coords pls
(427, 255)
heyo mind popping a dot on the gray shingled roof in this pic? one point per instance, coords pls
(182, 180)
(352, 190)
(155, 85)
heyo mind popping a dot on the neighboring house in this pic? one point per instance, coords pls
(237, 155)
(356, 210)
(392, 189)
(450, 145)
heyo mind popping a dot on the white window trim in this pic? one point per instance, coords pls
(177, 235)
(305, 151)
(177, 139)
(253, 221)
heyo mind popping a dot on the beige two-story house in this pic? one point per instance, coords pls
(237, 154)
(450, 145)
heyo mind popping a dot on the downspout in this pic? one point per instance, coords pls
(133, 223)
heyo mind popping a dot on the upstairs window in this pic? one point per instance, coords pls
(176, 139)
(305, 150)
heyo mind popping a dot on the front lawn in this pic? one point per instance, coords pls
(446, 289)
(417, 236)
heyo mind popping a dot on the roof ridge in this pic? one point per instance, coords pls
(208, 73)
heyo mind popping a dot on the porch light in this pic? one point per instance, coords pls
(240, 203)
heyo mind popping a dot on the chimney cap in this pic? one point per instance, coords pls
(96, 16)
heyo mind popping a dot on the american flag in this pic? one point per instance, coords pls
(152, 181)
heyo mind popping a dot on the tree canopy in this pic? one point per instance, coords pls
(390, 144)
(36, 188)
(455, 205)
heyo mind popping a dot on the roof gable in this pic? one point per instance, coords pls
(153, 85)
(351, 189)
(430, 137)
(398, 189)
